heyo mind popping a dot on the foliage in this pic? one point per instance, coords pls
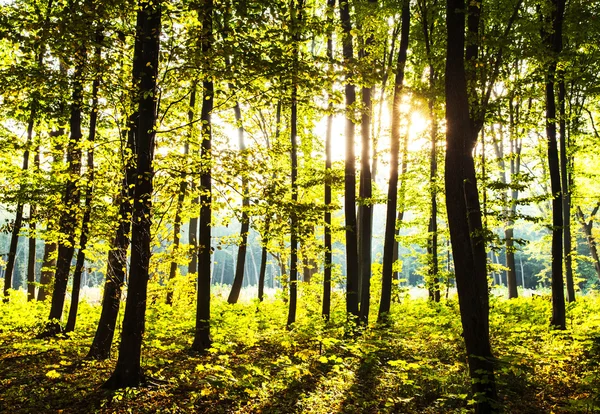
(416, 364)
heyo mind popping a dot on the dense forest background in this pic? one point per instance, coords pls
(320, 157)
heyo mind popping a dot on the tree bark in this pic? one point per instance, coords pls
(553, 43)
(327, 265)
(68, 218)
(181, 198)
(464, 213)
(202, 339)
(296, 21)
(366, 191)
(48, 265)
(349, 166)
(245, 222)
(117, 256)
(587, 229)
(390, 224)
(128, 372)
(87, 212)
(566, 191)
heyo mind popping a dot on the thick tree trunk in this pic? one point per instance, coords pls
(553, 42)
(128, 372)
(202, 339)
(464, 214)
(117, 256)
(85, 225)
(68, 218)
(390, 224)
(349, 167)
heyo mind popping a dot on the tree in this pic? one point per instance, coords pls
(68, 217)
(128, 371)
(462, 205)
(327, 215)
(352, 268)
(390, 223)
(202, 339)
(552, 39)
(87, 212)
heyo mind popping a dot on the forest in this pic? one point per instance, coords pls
(367, 206)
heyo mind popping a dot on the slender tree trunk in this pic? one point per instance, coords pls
(68, 218)
(265, 236)
(245, 222)
(32, 239)
(327, 265)
(14, 239)
(263, 261)
(128, 372)
(365, 192)
(390, 225)
(587, 229)
(464, 213)
(553, 42)
(202, 340)
(432, 245)
(566, 191)
(85, 225)
(296, 17)
(349, 167)
(48, 264)
(181, 197)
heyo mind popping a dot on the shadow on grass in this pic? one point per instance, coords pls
(362, 396)
(42, 382)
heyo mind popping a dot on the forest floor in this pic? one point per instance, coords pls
(416, 365)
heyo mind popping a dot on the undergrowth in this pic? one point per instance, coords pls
(416, 364)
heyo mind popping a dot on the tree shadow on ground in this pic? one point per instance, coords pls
(362, 396)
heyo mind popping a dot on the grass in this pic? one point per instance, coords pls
(416, 365)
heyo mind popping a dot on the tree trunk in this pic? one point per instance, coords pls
(553, 42)
(432, 243)
(245, 222)
(128, 372)
(85, 225)
(296, 20)
(68, 218)
(587, 229)
(117, 256)
(366, 192)
(464, 213)
(566, 191)
(263, 261)
(327, 265)
(349, 167)
(202, 340)
(181, 198)
(390, 224)
(14, 239)
(48, 265)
